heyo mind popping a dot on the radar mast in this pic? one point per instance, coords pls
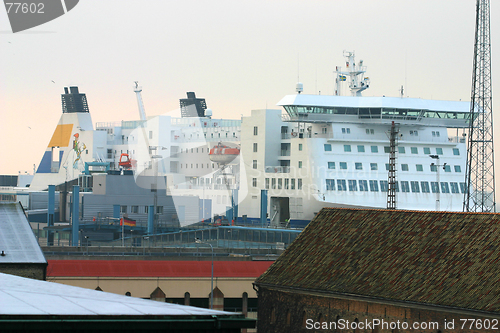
(355, 72)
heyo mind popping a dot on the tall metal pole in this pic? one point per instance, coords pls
(197, 240)
(212, 279)
(203, 203)
(480, 172)
(392, 182)
(75, 215)
(50, 214)
(155, 199)
(438, 201)
(437, 165)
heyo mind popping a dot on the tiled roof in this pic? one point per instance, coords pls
(439, 258)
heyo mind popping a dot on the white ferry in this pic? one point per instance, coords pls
(318, 151)
(334, 151)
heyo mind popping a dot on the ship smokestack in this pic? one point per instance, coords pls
(74, 101)
(192, 106)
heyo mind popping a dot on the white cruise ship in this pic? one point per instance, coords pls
(318, 151)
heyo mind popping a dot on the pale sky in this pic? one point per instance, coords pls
(238, 55)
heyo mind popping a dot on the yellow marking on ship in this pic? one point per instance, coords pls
(61, 136)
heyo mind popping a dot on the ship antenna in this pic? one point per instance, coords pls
(298, 67)
(299, 87)
(406, 71)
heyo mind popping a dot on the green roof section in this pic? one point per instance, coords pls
(433, 258)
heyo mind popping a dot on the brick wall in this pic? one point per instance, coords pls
(285, 311)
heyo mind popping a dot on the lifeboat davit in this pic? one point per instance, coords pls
(223, 154)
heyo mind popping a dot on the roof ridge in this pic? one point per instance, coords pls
(408, 210)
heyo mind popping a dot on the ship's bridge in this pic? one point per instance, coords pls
(323, 108)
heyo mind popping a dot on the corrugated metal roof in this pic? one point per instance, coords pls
(16, 237)
(22, 296)
(440, 258)
(150, 268)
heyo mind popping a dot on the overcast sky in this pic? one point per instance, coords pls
(239, 55)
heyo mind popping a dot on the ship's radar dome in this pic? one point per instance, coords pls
(299, 87)
(208, 113)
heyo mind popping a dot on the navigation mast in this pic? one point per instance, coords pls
(357, 81)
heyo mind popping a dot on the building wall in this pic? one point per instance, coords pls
(172, 287)
(284, 311)
(268, 142)
(127, 190)
(31, 271)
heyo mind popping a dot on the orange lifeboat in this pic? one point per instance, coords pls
(126, 162)
(223, 154)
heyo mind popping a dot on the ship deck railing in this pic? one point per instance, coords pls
(206, 187)
(277, 169)
(245, 238)
(364, 138)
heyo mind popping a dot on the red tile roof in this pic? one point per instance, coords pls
(147, 268)
(440, 258)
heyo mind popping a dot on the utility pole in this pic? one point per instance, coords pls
(392, 183)
(480, 173)
(438, 189)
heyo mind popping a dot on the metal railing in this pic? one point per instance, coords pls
(285, 136)
(277, 169)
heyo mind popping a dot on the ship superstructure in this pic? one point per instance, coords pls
(318, 151)
(163, 153)
(334, 151)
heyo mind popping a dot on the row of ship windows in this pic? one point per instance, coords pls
(135, 209)
(279, 183)
(375, 112)
(220, 199)
(198, 136)
(404, 167)
(354, 185)
(196, 164)
(371, 131)
(387, 149)
(192, 150)
(125, 139)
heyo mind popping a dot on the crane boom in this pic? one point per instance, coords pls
(137, 91)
